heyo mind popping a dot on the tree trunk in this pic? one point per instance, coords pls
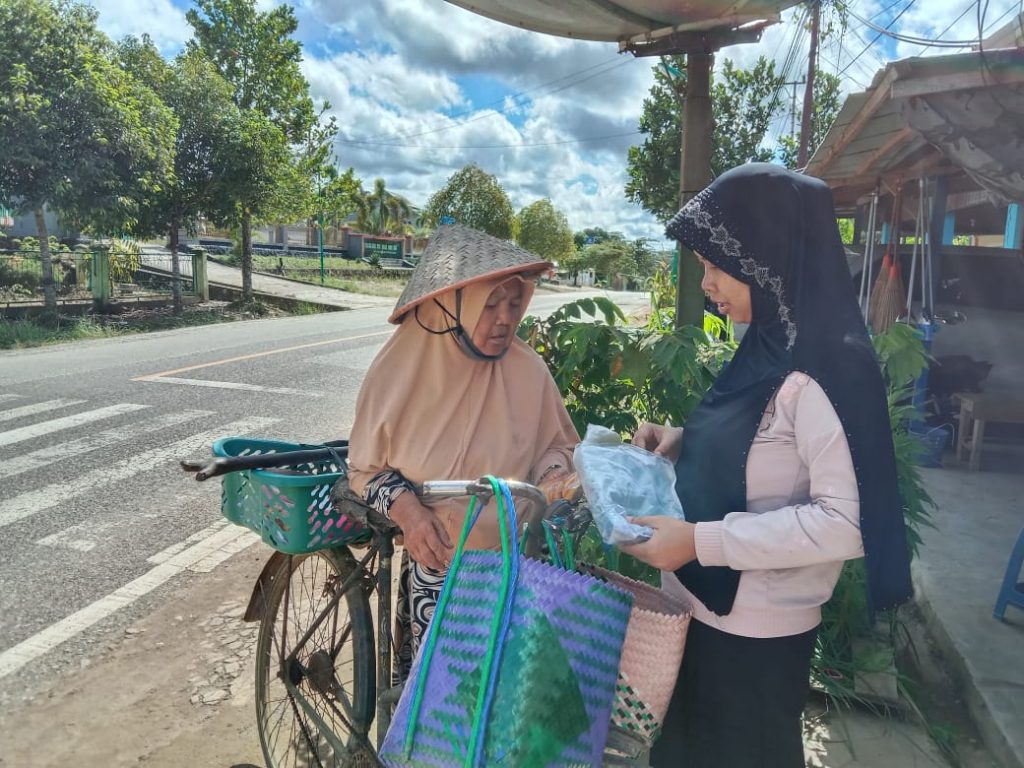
(246, 256)
(45, 261)
(176, 269)
(812, 66)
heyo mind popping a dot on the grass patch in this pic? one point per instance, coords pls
(46, 328)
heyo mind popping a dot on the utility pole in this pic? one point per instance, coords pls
(697, 129)
(812, 66)
(792, 103)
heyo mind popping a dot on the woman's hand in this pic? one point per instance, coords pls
(426, 539)
(671, 547)
(659, 439)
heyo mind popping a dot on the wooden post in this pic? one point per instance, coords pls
(100, 273)
(200, 283)
(694, 175)
(812, 65)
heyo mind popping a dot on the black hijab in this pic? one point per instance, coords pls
(775, 230)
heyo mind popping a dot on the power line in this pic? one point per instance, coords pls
(879, 35)
(911, 38)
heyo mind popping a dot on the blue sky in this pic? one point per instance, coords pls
(421, 87)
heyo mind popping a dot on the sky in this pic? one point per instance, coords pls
(420, 88)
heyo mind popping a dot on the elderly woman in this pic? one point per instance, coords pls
(454, 394)
(785, 470)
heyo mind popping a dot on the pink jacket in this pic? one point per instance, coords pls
(802, 519)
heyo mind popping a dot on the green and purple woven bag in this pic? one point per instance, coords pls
(518, 667)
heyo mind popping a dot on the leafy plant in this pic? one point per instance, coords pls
(616, 375)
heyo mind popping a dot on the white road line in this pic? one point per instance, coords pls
(5, 397)
(221, 544)
(88, 534)
(21, 434)
(44, 456)
(232, 385)
(31, 410)
(33, 502)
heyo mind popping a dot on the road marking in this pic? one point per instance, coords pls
(5, 398)
(151, 376)
(88, 534)
(12, 436)
(31, 410)
(44, 456)
(215, 547)
(235, 385)
(33, 502)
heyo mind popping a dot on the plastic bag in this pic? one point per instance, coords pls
(620, 479)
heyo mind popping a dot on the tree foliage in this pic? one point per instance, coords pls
(77, 132)
(474, 198)
(543, 229)
(254, 51)
(744, 102)
(382, 212)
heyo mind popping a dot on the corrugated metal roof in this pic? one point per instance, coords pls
(625, 20)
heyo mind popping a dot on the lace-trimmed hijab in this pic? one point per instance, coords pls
(775, 230)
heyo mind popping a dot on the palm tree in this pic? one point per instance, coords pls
(382, 212)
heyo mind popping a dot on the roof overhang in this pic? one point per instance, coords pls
(628, 22)
(959, 115)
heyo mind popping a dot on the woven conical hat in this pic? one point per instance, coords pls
(457, 255)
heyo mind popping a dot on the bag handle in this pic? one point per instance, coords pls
(499, 621)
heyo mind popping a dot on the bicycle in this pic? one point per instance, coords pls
(317, 696)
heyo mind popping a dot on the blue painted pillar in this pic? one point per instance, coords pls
(948, 228)
(1011, 238)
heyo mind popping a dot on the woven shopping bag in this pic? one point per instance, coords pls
(651, 655)
(518, 667)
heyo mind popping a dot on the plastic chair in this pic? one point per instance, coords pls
(1012, 592)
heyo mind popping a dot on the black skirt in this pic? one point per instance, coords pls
(738, 702)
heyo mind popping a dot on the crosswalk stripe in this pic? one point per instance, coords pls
(21, 434)
(44, 456)
(33, 502)
(5, 397)
(235, 385)
(214, 548)
(31, 410)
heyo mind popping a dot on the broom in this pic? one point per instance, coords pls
(879, 286)
(892, 300)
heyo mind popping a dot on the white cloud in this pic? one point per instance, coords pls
(160, 19)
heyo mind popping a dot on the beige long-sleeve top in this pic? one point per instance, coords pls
(802, 519)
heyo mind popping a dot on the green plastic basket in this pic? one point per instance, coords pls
(289, 507)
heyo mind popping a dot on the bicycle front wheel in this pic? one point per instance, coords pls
(314, 701)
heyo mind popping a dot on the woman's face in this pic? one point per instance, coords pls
(731, 295)
(500, 318)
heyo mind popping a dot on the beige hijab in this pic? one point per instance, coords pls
(431, 411)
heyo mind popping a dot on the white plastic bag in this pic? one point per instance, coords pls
(623, 480)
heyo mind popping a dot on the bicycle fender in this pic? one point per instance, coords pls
(257, 601)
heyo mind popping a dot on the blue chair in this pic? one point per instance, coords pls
(1012, 592)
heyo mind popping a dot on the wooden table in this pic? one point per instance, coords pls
(976, 410)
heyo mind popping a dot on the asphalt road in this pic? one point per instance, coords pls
(95, 518)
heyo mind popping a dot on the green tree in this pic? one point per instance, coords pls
(744, 103)
(256, 53)
(827, 103)
(77, 133)
(594, 235)
(202, 101)
(474, 198)
(381, 212)
(544, 230)
(610, 258)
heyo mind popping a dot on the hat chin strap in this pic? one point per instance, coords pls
(458, 331)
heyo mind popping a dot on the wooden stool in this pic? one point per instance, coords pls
(976, 410)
